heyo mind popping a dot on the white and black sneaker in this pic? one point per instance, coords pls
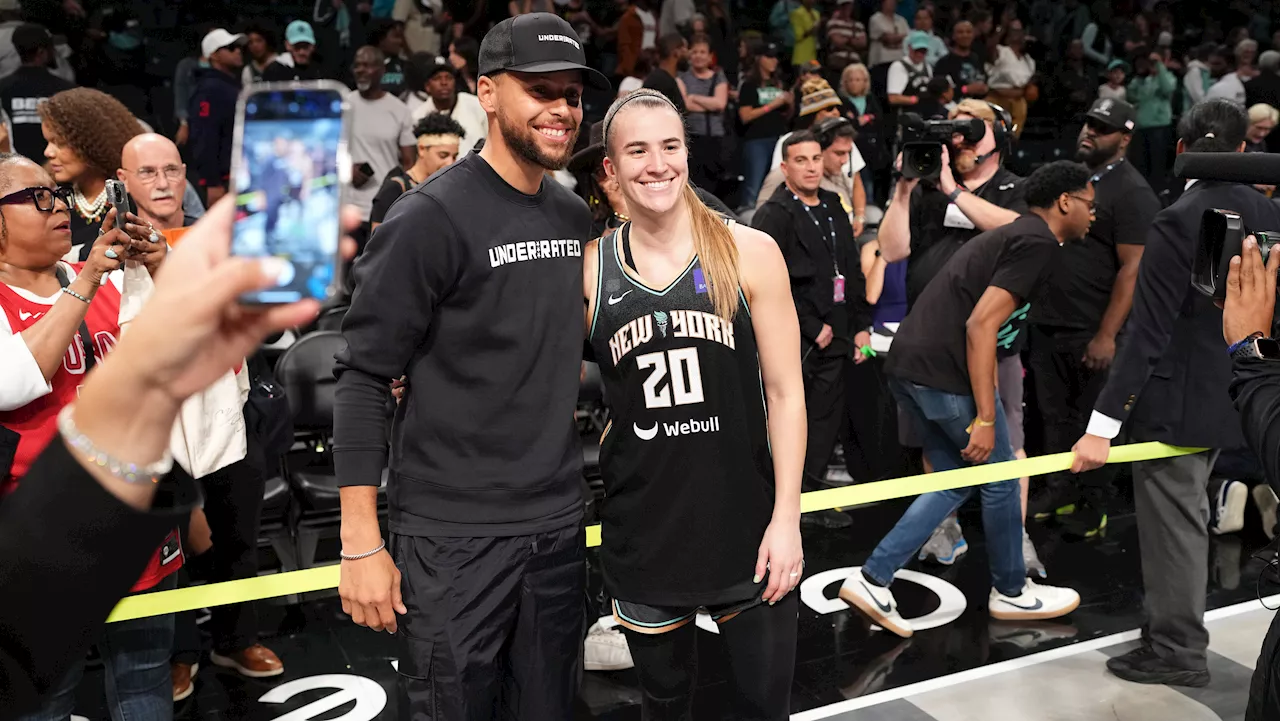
(1036, 602)
(606, 650)
(1228, 507)
(876, 603)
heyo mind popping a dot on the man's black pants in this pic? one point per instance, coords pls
(1065, 393)
(871, 449)
(824, 405)
(495, 626)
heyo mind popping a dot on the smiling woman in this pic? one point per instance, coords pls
(699, 360)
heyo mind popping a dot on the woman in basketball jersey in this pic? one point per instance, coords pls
(693, 325)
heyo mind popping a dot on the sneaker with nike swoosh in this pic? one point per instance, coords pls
(1034, 603)
(876, 603)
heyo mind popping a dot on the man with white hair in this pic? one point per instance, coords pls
(1231, 85)
(1265, 90)
(156, 178)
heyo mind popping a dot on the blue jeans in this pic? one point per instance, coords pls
(869, 185)
(136, 659)
(940, 418)
(756, 156)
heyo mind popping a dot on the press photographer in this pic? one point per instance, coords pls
(1169, 383)
(1255, 387)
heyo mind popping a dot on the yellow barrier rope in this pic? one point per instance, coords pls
(318, 579)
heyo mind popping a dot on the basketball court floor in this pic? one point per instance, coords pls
(963, 666)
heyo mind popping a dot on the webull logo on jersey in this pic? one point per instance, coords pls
(680, 428)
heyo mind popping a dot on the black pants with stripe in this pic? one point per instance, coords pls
(495, 626)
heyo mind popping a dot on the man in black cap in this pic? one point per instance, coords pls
(27, 87)
(1074, 328)
(469, 291)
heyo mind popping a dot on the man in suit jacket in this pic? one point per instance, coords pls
(1169, 383)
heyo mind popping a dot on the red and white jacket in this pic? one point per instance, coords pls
(29, 404)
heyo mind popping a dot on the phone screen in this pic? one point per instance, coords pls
(288, 187)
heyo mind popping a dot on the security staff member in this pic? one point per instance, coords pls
(485, 464)
(1075, 324)
(1255, 388)
(816, 239)
(1169, 383)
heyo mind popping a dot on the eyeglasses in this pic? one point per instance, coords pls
(1088, 203)
(42, 197)
(148, 175)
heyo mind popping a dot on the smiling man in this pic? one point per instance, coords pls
(472, 292)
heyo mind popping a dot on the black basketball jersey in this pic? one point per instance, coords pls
(687, 470)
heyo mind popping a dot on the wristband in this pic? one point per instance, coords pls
(978, 423)
(359, 556)
(954, 194)
(867, 351)
(1231, 349)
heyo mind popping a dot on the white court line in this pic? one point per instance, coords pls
(995, 669)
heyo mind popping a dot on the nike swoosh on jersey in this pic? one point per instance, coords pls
(615, 301)
(25, 314)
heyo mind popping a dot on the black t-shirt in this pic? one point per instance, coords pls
(393, 76)
(396, 183)
(662, 81)
(935, 236)
(1080, 286)
(772, 124)
(963, 70)
(930, 347)
(279, 73)
(20, 93)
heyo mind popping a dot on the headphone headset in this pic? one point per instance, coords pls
(825, 130)
(1002, 129)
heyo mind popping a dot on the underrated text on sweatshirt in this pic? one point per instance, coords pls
(472, 291)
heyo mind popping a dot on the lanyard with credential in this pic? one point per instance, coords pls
(837, 281)
(1103, 173)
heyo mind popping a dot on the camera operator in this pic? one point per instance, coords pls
(1169, 383)
(1074, 329)
(1255, 388)
(816, 239)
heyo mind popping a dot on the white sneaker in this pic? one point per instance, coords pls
(1267, 505)
(606, 650)
(1034, 603)
(876, 602)
(1228, 507)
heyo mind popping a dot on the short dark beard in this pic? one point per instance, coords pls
(1096, 157)
(527, 148)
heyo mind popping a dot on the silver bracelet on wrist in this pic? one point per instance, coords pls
(359, 556)
(76, 295)
(123, 470)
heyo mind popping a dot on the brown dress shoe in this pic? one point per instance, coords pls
(184, 679)
(257, 661)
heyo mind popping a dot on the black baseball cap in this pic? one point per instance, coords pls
(1115, 114)
(536, 43)
(30, 37)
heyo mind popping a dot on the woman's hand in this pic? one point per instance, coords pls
(781, 556)
(108, 250)
(193, 330)
(146, 245)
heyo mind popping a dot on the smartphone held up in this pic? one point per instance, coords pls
(289, 165)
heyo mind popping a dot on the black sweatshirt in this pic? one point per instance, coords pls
(69, 550)
(1255, 388)
(473, 291)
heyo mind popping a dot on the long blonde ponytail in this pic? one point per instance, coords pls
(713, 242)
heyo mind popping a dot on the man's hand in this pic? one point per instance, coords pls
(1090, 452)
(905, 185)
(1251, 294)
(1099, 353)
(981, 440)
(859, 225)
(824, 336)
(860, 341)
(184, 131)
(946, 181)
(370, 591)
(358, 177)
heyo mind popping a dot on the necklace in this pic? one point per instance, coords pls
(91, 211)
